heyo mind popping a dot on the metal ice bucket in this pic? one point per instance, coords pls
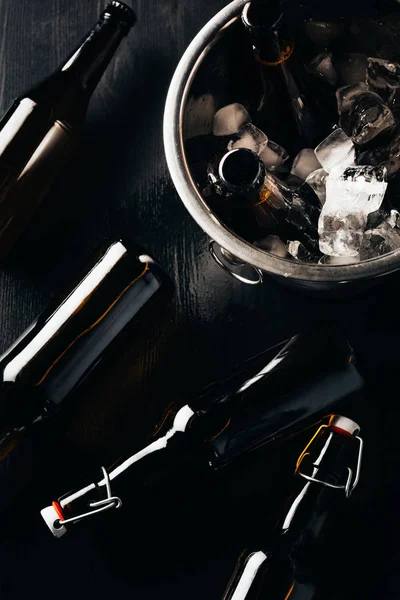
(210, 65)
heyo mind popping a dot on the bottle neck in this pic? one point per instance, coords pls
(266, 26)
(89, 61)
(319, 488)
(287, 568)
(200, 433)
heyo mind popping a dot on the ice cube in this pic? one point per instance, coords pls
(305, 163)
(383, 77)
(249, 137)
(351, 68)
(393, 219)
(229, 119)
(317, 180)
(336, 149)
(199, 115)
(322, 66)
(387, 154)
(346, 95)
(339, 260)
(382, 239)
(368, 117)
(274, 156)
(274, 245)
(341, 233)
(300, 252)
(350, 197)
(377, 217)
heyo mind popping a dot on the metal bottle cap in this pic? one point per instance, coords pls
(121, 12)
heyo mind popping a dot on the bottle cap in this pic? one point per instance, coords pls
(122, 13)
(344, 425)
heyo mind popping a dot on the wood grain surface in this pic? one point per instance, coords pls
(119, 183)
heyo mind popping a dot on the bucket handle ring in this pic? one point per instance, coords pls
(226, 268)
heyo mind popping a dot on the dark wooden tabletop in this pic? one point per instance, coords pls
(119, 182)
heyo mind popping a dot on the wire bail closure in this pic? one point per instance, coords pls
(350, 484)
(99, 506)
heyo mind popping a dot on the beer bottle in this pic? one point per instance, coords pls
(282, 392)
(326, 473)
(42, 127)
(48, 363)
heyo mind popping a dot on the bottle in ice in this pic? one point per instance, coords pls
(276, 394)
(284, 112)
(326, 473)
(120, 288)
(40, 131)
(285, 205)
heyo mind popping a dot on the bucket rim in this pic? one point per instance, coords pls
(189, 194)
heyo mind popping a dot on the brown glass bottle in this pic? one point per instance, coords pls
(261, 203)
(271, 397)
(324, 477)
(284, 112)
(41, 129)
(49, 362)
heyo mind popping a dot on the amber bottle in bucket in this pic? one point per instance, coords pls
(120, 287)
(40, 131)
(284, 108)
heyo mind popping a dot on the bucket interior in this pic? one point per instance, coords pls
(229, 73)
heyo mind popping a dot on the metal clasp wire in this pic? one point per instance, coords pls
(100, 505)
(350, 484)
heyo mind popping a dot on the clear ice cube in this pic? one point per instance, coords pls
(351, 68)
(249, 137)
(337, 149)
(274, 245)
(346, 95)
(305, 163)
(341, 233)
(317, 180)
(368, 117)
(322, 66)
(350, 197)
(199, 115)
(274, 156)
(383, 77)
(382, 239)
(229, 119)
(300, 252)
(387, 154)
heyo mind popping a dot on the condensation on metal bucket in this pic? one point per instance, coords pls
(219, 69)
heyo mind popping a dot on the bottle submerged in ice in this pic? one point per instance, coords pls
(307, 161)
(284, 99)
(286, 203)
